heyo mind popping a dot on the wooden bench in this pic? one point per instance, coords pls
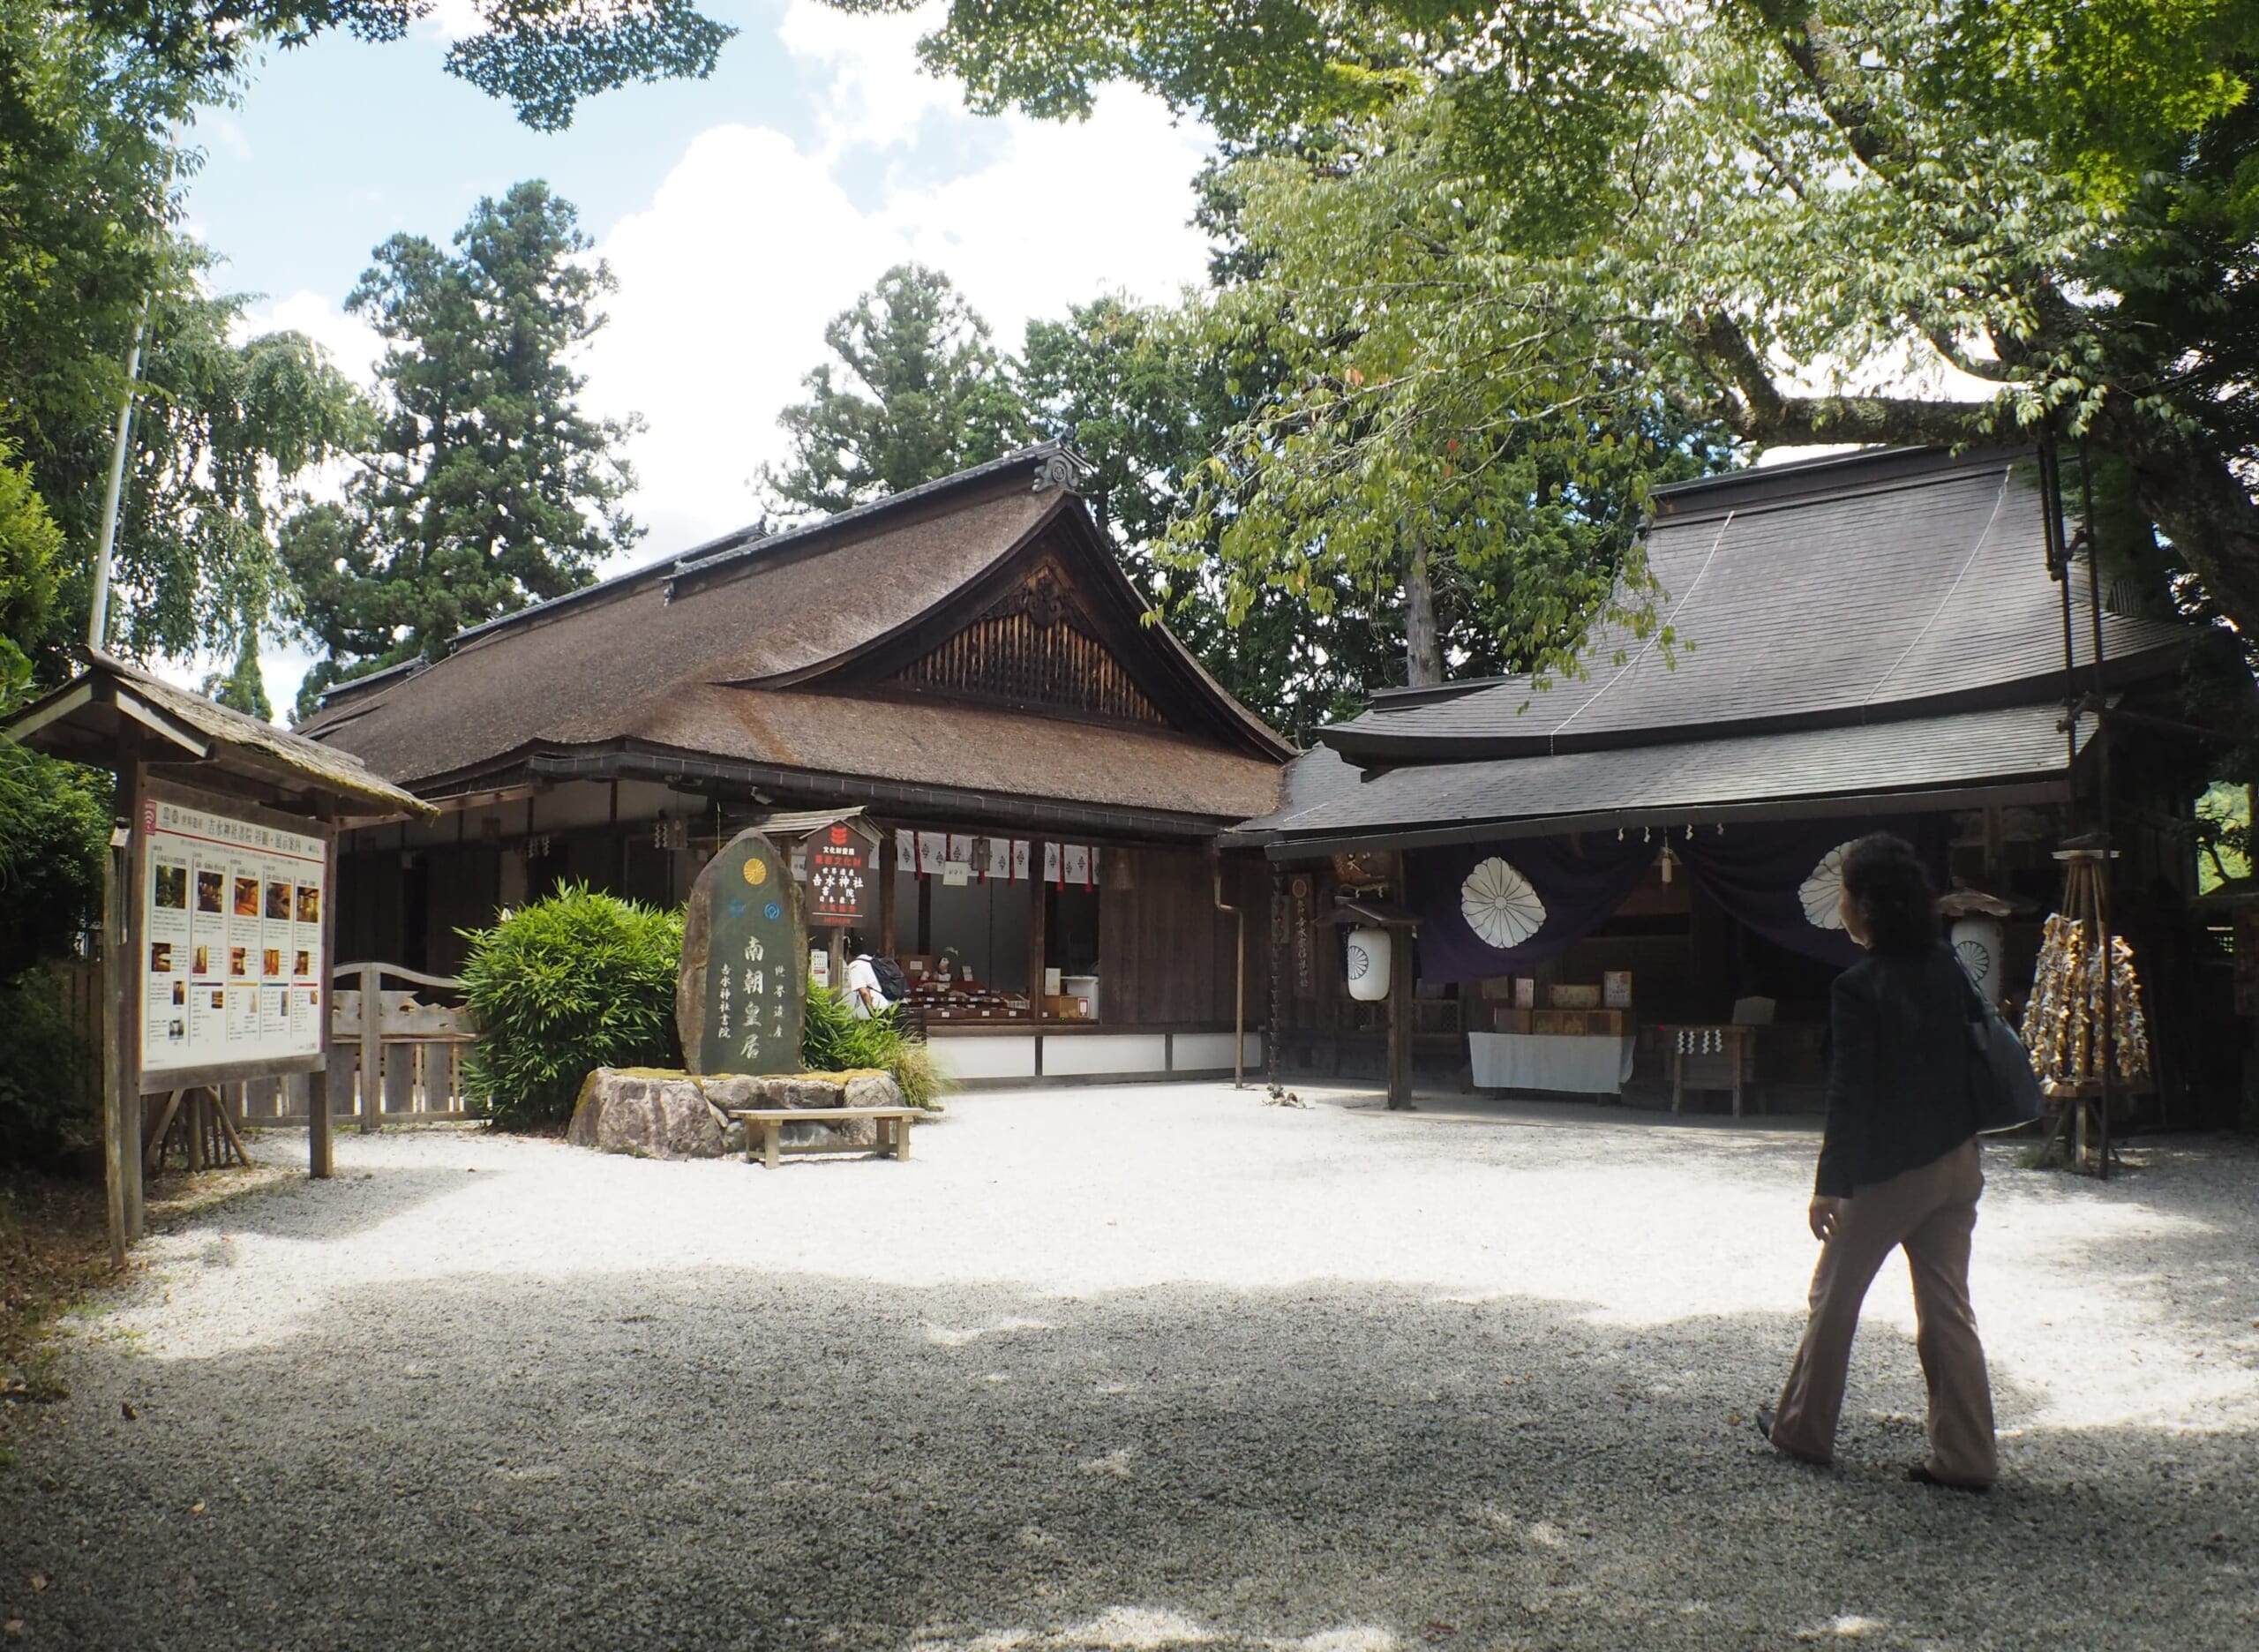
(763, 1125)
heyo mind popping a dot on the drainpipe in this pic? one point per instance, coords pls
(1239, 983)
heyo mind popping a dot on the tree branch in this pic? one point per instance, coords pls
(1752, 404)
(1829, 68)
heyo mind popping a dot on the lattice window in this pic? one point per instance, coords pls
(1015, 656)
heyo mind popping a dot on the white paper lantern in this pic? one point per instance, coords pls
(1367, 964)
(1981, 944)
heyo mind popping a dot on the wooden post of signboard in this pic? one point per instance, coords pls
(116, 1083)
(889, 857)
(132, 864)
(321, 1160)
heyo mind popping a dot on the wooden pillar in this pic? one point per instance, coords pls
(320, 1153)
(1401, 980)
(925, 915)
(889, 867)
(1038, 901)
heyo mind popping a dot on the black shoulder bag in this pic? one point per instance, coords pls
(2006, 1090)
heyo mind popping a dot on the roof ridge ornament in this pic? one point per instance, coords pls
(1057, 468)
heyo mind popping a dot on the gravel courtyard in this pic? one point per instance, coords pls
(1133, 1368)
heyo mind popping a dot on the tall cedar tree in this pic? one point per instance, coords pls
(244, 687)
(923, 393)
(489, 488)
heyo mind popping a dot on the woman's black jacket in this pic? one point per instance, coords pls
(1901, 1068)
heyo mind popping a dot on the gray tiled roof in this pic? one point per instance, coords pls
(1875, 586)
(1695, 778)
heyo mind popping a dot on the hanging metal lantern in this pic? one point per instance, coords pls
(1367, 964)
(1981, 944)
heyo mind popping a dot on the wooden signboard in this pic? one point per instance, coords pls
(743, 990)
(230, 952)
(841, 877)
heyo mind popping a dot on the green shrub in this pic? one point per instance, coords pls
(834, 1039)
(50, 1111)
(561, 988)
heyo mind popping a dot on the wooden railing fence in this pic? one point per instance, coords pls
(406, 1067)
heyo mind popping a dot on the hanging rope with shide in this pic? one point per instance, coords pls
(1898, 1170)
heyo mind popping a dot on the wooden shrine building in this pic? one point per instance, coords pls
(1036, 772)
(1632, 864)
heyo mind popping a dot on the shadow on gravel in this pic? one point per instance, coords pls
(733, 1460)
(353, 1203)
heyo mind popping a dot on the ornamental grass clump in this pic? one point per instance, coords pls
(561, 988)
(834, 1039)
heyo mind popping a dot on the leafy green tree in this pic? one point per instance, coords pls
(543, 56)
(88, 176)
(1733, 213)
(923, 393)
(1147, 405)
(489, 487)
(222, 433)
(30, 547)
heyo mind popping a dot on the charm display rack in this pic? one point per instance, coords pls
(2082, 1041)
(2084, 1027)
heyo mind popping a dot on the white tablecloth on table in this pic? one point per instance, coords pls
(1538, 1060)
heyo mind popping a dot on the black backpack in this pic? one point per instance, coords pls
(892, 982)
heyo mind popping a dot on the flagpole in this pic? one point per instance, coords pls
(98, 617)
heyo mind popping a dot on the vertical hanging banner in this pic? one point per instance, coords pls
(1021, 853)
(743, 989)
(1051, 863)
(905, 850)
(1000, 859)
(960, 848)
(932, 853)
(1075, 865)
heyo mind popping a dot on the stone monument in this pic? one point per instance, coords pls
(743, 990)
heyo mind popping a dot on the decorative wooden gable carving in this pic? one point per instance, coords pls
(1036, 646)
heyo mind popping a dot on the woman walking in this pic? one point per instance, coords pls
(1898, 1169)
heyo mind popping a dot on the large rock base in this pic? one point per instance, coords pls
(651, 1115)
(658, 1114)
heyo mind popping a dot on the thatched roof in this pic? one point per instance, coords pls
(83, 720)
(780, 649)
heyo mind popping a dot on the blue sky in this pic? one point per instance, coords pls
(738, 214)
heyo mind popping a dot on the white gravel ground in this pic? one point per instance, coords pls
(1134, 1367)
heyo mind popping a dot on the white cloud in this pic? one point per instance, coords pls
(877, 93)
(753, 242)
(352, 343)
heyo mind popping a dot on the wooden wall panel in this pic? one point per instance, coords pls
(1166, 952)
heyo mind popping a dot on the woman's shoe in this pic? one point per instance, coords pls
(1920, 1474)
(1765, 1416)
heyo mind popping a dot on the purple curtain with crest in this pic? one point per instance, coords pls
(1498, 908)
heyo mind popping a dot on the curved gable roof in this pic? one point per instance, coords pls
(1853, 590)
(615, 662)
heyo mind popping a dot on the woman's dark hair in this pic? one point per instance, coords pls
(1887, 878)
